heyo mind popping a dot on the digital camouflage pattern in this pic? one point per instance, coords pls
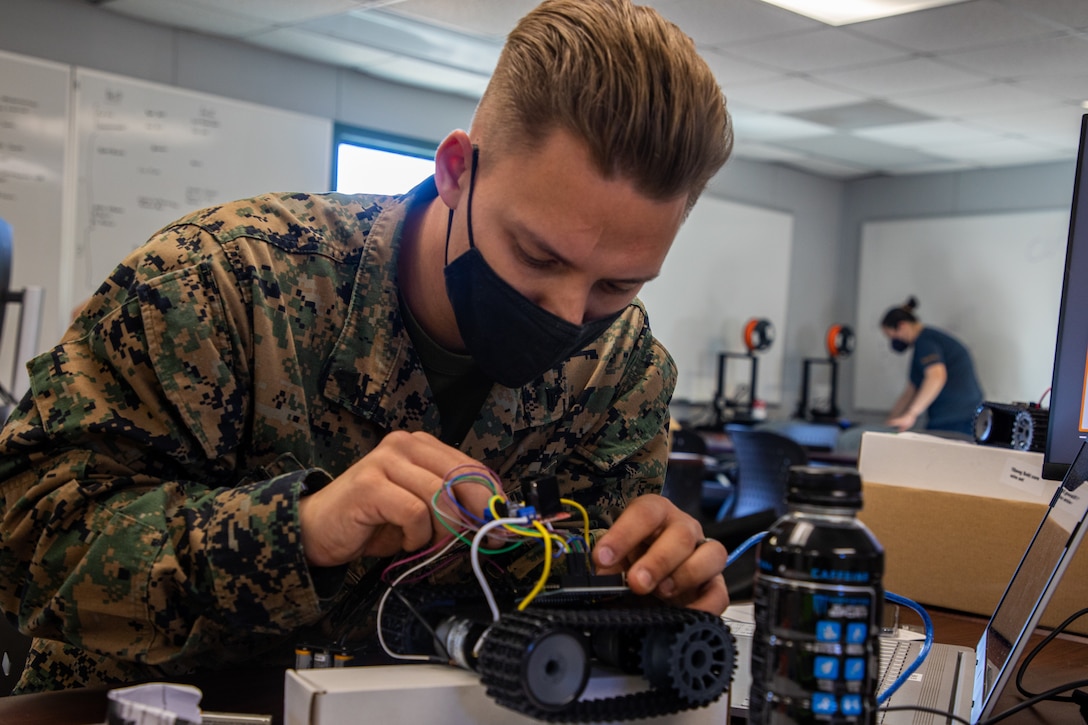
(150, 480)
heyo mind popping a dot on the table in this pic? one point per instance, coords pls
(261, 691)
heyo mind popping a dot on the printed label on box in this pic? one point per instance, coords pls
(1017, 476)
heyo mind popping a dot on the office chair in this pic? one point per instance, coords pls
(14, 647)
(763, 466)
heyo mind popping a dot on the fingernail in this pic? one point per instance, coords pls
(667, 587)
(643, 578)
(606, 556)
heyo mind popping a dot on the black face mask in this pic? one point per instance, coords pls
(900, 346)
(513, 340)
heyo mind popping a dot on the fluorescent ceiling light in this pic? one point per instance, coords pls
(844, 12)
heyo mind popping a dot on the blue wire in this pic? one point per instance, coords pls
(897, 599)
(748, 544)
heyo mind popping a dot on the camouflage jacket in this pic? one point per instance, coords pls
(149, 480)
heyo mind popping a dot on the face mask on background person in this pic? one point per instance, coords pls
(900, 346)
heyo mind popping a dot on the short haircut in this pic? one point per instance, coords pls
(621, 78)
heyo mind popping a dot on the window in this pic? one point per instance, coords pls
(367, 162)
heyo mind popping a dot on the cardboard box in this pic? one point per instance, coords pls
(955, 519)
(435, 694)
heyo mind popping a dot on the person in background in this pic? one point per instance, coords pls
(942, 381)
(255, 411)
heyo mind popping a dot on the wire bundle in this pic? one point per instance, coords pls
(500, 531)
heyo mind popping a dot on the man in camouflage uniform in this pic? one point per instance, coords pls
(263, 399)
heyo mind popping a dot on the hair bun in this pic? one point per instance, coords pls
(911, 304)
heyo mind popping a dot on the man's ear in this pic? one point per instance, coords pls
(452, 168)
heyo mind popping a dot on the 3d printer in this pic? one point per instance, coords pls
(758, 335)
(840, 344)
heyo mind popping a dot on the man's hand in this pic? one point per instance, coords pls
(382, 504)
(664, 553)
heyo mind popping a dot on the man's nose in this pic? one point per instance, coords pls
(567, 302)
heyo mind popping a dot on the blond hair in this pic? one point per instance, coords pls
(622, 79)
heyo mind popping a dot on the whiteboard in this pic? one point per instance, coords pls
(33, 143)
(993, 281)
(729, 263)
(148, 154)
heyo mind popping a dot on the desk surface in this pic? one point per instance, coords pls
(1065, 659)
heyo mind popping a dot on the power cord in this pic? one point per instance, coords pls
(1079, 698)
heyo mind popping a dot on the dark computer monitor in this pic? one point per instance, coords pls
(1068, 426)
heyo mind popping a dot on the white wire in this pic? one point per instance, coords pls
(475, 553)
(381, 603)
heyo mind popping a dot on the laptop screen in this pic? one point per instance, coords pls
(1031, 587)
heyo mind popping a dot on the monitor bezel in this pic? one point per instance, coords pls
(1053, 469)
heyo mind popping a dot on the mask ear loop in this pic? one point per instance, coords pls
(471, 189)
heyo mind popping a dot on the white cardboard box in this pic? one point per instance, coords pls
(955, 519)
(433, 695)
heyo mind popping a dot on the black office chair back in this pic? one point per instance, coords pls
(763, 467)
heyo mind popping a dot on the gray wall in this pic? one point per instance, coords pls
(827, 214)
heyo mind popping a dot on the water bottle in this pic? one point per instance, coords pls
(818, 600)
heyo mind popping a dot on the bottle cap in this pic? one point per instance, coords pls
(831, 486)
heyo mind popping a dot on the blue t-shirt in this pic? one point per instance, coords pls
(954, 408)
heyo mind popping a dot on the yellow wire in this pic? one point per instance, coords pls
(547, 566)
(582, 510)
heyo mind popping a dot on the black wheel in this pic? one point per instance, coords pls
(696, 661)
(555, 669)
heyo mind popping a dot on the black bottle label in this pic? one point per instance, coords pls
(816, 649)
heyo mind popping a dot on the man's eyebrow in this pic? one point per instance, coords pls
(543, 246)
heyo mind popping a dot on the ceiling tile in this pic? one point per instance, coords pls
(935, 167)
(816, 50)
(1071, 87)
(1069, 13)
(1057, 126)
(973, 101)
(861, 115)
(488, 18)
(432, 75)
(281, 12)
(789, 94)
(759, 126)
(888, 80)
(953, 27)
(718, 22)
(928, 134)
(320, 47)
(410, 38)
(180, 14)
(730, 70)
(1039, 56)
(830, 169)
(845, 148)
(1002, 152)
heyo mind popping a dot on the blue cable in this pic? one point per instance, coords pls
(928, 623)
(748, 544)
